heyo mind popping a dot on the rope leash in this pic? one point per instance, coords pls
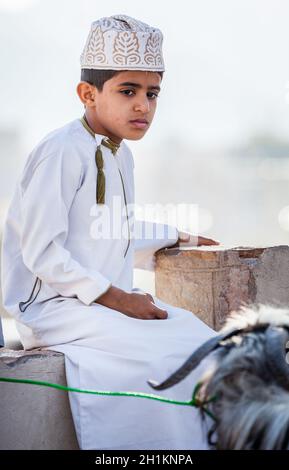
(193, 402)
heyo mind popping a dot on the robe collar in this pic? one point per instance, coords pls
(106, 141)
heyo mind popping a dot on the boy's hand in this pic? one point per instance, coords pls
(136, 305)
(207, 241)
(187, 240)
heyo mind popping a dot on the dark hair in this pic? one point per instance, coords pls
(99, 77)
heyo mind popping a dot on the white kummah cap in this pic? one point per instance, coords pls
(120, 42)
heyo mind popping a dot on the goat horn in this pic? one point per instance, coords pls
(275, 349)
(194, 360)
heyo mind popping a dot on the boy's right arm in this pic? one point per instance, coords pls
(47, 194)
(137, 305)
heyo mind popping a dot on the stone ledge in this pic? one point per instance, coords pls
(213, 281)
(34, 417)
(11, 357)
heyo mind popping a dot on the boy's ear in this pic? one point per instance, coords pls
(86, 93)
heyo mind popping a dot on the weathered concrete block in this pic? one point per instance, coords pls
(213, 281)
(32, 416)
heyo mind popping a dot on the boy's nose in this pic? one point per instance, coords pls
(143, 106)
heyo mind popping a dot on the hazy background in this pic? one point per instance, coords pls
(220, 134)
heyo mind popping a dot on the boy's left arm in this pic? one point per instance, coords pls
(187, 239)
(147, 243)
(149, 237)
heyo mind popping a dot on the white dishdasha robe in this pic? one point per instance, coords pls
(53, 269)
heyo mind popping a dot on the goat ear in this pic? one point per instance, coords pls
(275, 349)
(194, 360)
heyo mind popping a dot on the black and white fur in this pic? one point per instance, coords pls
(249, 378)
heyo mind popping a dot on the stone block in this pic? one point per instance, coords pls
(33, 416)
(214, 281)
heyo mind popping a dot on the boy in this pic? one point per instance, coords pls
(70, 289)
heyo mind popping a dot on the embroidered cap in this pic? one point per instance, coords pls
(120, 42)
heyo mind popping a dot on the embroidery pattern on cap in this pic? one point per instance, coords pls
(121, 42)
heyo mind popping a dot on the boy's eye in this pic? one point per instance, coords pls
(155, 95)
(126, 92)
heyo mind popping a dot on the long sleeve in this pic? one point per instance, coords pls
(149, 238)
(47, 194)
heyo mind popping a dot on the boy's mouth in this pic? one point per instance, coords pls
(139, 123)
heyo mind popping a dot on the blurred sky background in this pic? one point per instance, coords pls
(220, 134)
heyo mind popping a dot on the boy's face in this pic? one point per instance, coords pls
(128, 96)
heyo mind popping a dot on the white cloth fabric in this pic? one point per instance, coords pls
(53, 270)
(120, 42)
(1, 335)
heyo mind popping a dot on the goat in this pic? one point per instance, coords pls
(246, 388)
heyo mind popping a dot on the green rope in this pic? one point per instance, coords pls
(193, 402)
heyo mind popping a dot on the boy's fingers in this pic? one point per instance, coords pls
(207, 241)
(162, 314)
(214, 242)
(150, 297)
